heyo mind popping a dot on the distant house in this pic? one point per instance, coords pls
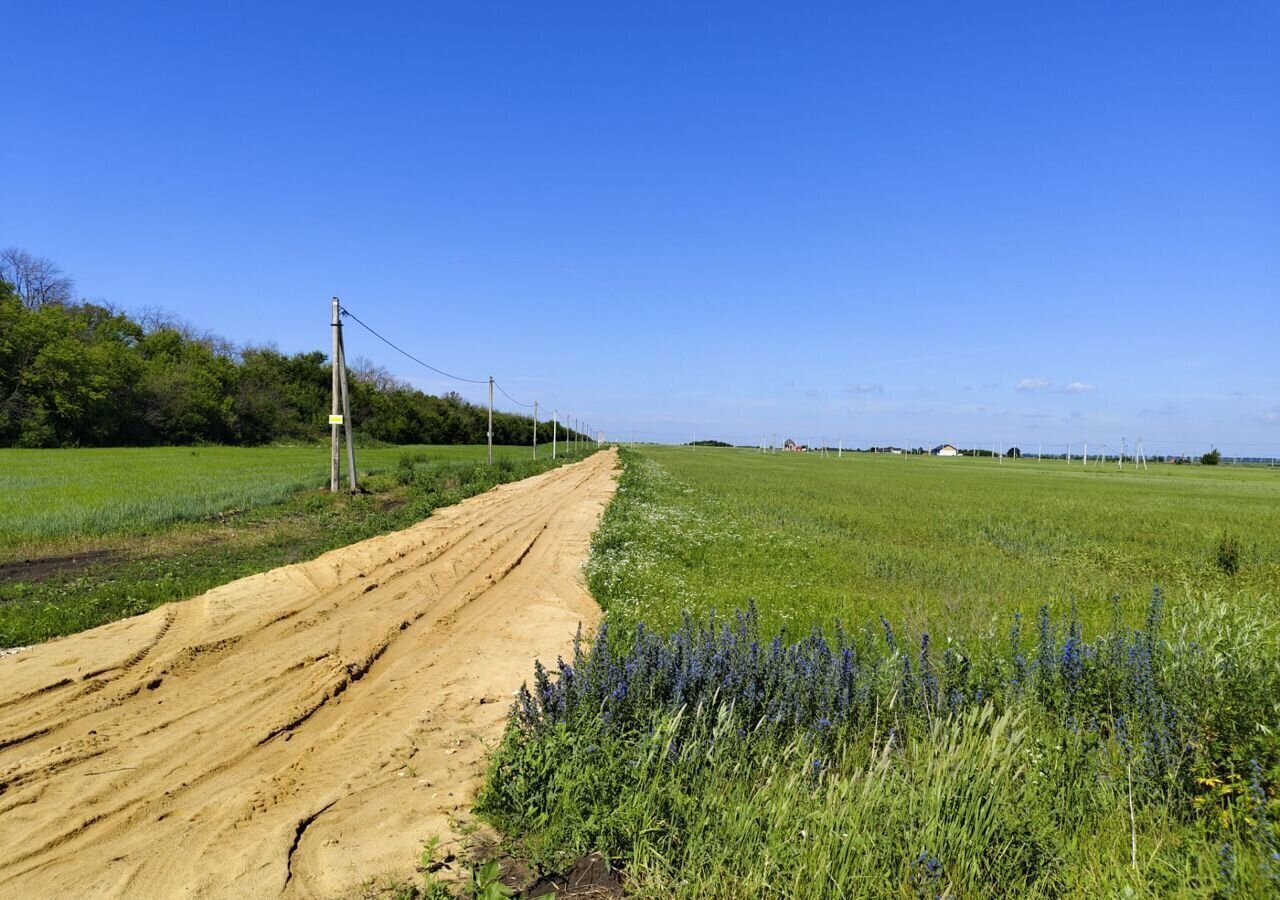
(945, 450)
(792, 447)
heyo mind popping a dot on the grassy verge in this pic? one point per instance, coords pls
(175, 560)
(761, 755)
(64, 500)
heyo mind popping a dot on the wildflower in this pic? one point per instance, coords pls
(1226, 864)
(926, 874)
(1070, 664)
(888, 634)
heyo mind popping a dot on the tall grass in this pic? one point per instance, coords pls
(830, 742)
(718, 763)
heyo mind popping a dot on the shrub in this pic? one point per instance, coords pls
(405, 465)
(1212, 458)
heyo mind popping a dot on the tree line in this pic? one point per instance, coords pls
(86, 374)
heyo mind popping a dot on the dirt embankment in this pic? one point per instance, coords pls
(295, 732)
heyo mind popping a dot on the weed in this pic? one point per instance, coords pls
(433, 887)
(1227, 554)
(484, 883)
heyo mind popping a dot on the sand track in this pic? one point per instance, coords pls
(295, 732)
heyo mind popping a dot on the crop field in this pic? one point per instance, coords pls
(957, 543)
(888, 677)
(51, 494)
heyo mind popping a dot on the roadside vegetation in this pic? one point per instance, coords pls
(99, 535)
(953, 682)
(57, 498)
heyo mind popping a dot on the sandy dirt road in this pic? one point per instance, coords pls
(295, 732)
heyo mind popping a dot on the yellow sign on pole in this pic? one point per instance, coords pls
(335, 420)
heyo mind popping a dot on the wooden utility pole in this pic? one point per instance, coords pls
(535, 429)
(335, 418)
(346, 413)
(490, 433)
(340, 408)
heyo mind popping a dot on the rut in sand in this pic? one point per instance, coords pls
(299, 731)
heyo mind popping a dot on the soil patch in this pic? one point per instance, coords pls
(590, 876)
(49, 566)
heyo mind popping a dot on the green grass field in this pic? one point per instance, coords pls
(935, 693)
(101, 534)
(934, 542)
(55, 494)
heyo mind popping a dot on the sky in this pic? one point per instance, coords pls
(874, 223)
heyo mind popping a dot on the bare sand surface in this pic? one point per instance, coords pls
(297, 732)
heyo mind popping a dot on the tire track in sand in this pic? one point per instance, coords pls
(299, 731)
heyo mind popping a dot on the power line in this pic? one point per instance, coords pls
(349, 314)
(512, 399)
(346, 312)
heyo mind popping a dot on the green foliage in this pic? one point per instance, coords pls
(484, 883)
(84, 375)
(1227, 554)
(406, 464)
(433, 887)
(1212, 458)
(1014, 803)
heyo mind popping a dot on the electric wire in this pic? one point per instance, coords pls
(512, 399)
(350, 315)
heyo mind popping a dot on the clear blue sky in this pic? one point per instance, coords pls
(924, 222)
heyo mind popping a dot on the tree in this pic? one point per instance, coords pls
(36, 280)
(84, 374)
(1013, 453)
(186, 390)
(1212, 458)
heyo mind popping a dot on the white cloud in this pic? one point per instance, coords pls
(1033, 384)
(865, 388)
(1079, 387)
(1271, 418)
